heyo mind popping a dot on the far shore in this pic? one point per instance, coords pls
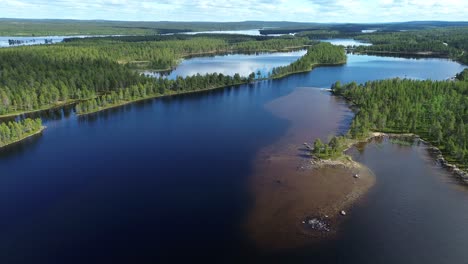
(74, 101)
(313, 66)
(208, 89)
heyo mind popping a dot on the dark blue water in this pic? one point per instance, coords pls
(165, 179)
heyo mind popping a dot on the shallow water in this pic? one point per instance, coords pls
(170, 177)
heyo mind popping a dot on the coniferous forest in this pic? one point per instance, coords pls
(451, 42)
(11, 132)
(320, 54)
(435, 110)
(41, 77)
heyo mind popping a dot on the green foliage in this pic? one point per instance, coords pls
(159, 87)
(39, 77)
(447, 42)
(54, 27)
(14, 131)
(321, 53)
(401, 142)
(326, 34)
(333, 149)
(462, 76)
(436, 110)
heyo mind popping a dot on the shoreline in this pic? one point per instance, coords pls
(156, 96)
(25, 137)
(209, 89)
(59, 105)
(74, 101)
(454, 168)
(313, 66)
(297, 204)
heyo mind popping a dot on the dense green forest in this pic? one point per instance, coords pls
(326, 34)
(435, 110)
(15, 131)
(447, 42)
(160, 87)
(53, 27)
(462, 76)
(347, 29)
(322, 53)
(40, 77)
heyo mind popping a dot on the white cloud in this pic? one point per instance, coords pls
(221, 10)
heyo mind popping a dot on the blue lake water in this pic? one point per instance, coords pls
(231, 64)
(167, 179)
(40, 40)
(346, 42)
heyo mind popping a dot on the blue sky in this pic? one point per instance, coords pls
(240, 10)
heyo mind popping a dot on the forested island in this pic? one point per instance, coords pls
(437, 111)
(12, 132)
(320, 54)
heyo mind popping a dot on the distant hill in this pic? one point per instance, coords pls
(48, 27)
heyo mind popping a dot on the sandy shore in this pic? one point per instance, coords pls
(290, 192)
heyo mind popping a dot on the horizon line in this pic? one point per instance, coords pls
(237, 21)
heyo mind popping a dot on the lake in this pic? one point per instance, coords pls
(346, 42)
(40, 40)
(230, 64)
(170, 179)
(251, 32)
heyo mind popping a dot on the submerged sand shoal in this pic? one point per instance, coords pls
(288, 189)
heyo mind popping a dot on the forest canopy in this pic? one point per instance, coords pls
(435, 110)
(43, 76)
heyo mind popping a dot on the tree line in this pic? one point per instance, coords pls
(14, 131)
(448, 42)
(435, 110)
(160, 87)
(40, 77)
(322, 53)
